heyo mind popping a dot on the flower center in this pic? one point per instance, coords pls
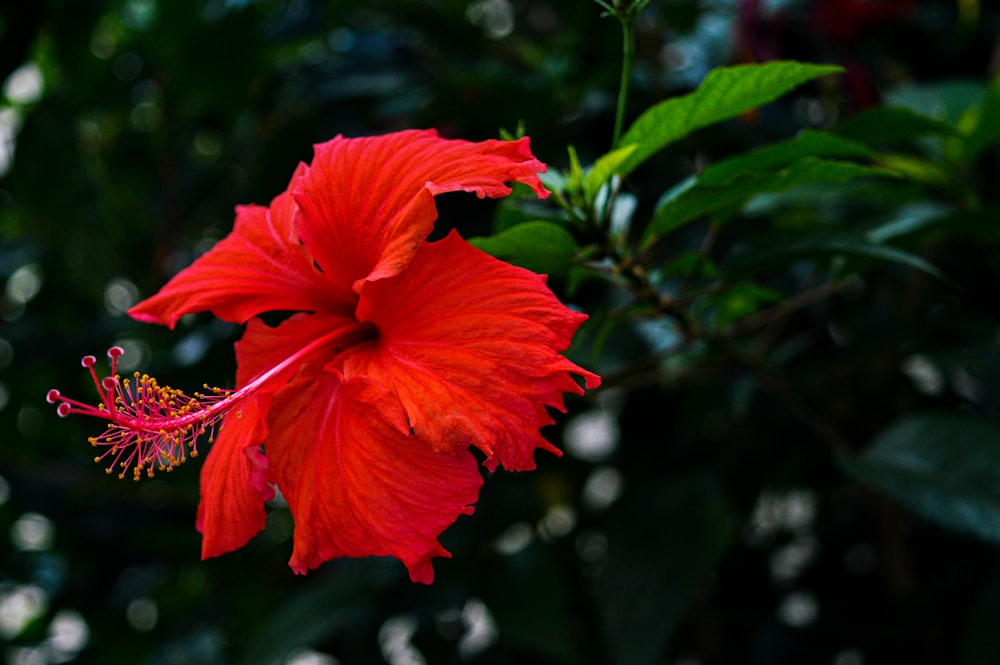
(156, 428)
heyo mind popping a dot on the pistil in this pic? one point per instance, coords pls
(156, 428)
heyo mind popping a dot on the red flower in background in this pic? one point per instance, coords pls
(401, 354)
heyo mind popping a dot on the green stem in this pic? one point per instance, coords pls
(627, 20)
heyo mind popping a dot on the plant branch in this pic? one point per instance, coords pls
(627, 21)
(783, 309)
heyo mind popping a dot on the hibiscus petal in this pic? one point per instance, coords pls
(367, 203)
(356, 481)
(234, 481)
(470, 345)
(259, 267)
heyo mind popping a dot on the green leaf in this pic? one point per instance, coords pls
(544, 247)
(807, 143)
(946, 100)
(946, 467)
(891, 124)
(689, 265)
(663, 547)
(918, 169)
(554, 179)
(575, 177)
(522, 206)
(602, 170)
(694, 197)
(725, 93)
(986, 132)
(580, 275)
(973, 225)
(721, 310)
(909, 219)
(787, 250)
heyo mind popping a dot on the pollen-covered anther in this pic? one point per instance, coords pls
(149, 427)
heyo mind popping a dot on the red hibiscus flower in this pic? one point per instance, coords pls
(401, 354)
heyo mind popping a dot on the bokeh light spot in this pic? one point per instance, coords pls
(395, 638)
(10, 125)
(32, 532)
(558, 522)
(495, 17)
(514, 539)
(139, 14)
(592, 436)
(308, 657)
(145, 116)
(798, 609)
(927, 378)
(207, 144)
(142, 614)
(68, 634)
(25, 85)
(480, 629)
(191, 348)
(602, 488)
(119, 295)
(104, 39)
(19, 606)
(136, 354)
(24, 283)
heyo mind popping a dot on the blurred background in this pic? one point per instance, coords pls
(704, 512)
